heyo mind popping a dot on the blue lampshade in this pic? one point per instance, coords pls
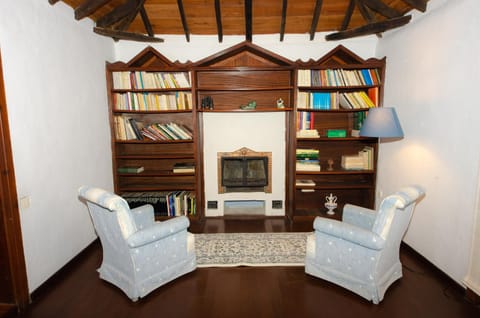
(381, 122)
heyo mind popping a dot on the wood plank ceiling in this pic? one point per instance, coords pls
(147, 20)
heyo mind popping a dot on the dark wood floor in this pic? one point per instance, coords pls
(248, 291)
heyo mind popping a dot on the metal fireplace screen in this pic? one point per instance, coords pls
(244, 172)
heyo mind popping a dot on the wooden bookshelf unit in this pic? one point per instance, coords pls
(316, 95)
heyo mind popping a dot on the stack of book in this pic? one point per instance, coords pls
(308, 133)
(184, 167)
(362, 161)
(307, 160)
(170, 131)
(130, 169)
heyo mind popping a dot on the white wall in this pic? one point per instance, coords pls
(294, 46)
(54, 71)
(432, 80)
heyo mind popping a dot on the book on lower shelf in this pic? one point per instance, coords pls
(305, 183)
(362, 161)
(165, 203)
(130, 169)
(184, 167)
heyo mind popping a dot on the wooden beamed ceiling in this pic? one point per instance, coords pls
(148, 20)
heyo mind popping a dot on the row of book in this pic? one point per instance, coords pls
(305, 121)
(127, 128)
(307, 159)
(152, 101)
(338, 77)
(179, 167)
(165, 203)
(362, 161)
(337, 100)
(150, 80)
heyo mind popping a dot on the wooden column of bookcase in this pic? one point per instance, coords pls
(327, 102)
(156, 94)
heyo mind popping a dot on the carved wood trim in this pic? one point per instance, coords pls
(9, 211)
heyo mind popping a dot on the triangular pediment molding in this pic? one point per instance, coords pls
(151, 58)
(340, 56)
(244, 54)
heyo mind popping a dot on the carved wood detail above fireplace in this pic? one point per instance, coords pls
(244, 170)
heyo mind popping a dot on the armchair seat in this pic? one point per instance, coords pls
(139, 254)
(361, 252)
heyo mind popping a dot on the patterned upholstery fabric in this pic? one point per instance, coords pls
(361, 252)
(139, 254)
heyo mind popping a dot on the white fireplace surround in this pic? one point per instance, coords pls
(261, 132)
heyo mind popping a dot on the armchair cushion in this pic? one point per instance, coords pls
(157, 231)
(348, 232)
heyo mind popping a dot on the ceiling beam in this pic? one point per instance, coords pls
(117, 14)
(218, 16)
(124, 23)
(122, 35)
(284, 19)
(381, 8)
(420, 5)
(248, 20)
(348, 15)
(146, 21)
(369, 29)
(88, 7)
(315, 18)
(366, 13)
(184, 19)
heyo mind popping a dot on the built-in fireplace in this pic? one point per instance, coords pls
(244, 170)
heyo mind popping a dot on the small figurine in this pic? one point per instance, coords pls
(251, 105)
(330, 164)
(280, 103)
(331, 203)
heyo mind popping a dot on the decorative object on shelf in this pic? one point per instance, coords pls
(382, 122)
(251, 105)
(280, 103)
(330, 164)
(331, 204)
(207, 102)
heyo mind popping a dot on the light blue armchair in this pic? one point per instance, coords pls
(361, 253)
(139, 254)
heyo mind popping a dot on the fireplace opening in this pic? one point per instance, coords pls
(244, 173)
(244, 170)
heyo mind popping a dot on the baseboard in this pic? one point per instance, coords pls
(460, 288)
(472, 296)
(62, 273)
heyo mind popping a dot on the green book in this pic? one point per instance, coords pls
(130, 169)
(336, 133)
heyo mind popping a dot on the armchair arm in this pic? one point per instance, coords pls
(143, 216)
(158, 231)
(359, 216)
(349, 233)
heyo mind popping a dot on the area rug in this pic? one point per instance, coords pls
(251, 249)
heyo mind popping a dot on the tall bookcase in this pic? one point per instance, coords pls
(150, 90)
(153, 133)
(331, 101)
